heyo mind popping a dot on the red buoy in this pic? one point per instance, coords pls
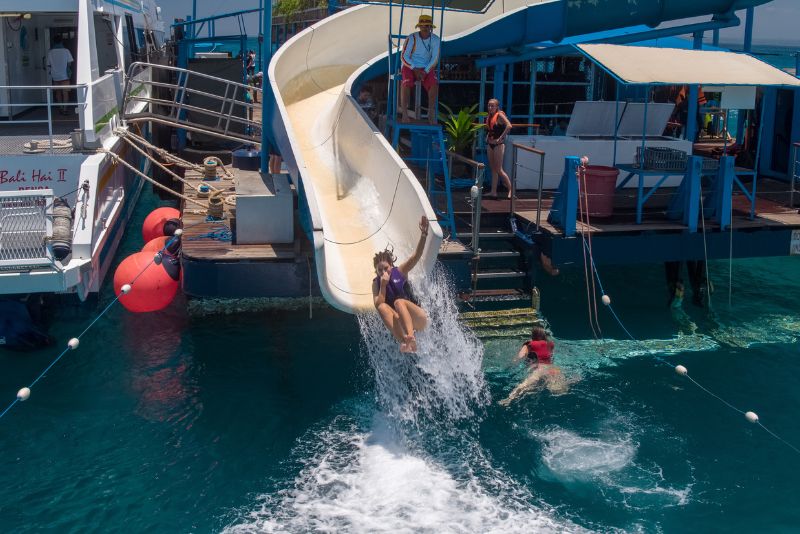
(154, 245)
(153, 225)
(152, 289)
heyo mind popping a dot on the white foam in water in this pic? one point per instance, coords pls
(371, 482)
(444, 380)
(610, 462)
(386, 475)
(576, 457)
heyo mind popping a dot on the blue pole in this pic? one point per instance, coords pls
(266, 93)
(748, 47)
(260, 36)
(332, 7)
(715, 40)
(499, 73)
(748, 30)
(194, 17)
(691, 120)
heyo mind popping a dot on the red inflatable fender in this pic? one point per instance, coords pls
(152, 289)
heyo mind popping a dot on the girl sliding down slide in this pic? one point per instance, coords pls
(392, 294)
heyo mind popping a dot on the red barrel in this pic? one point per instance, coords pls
(601, 182)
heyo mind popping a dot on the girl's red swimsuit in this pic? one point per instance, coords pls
(542, 349)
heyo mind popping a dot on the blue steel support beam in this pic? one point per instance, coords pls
(499, 74)
(748, 30)
(192, 21)
(564, 212)
(267, 98)
(691, 121)
(691, 210)
(748, 47)
(723, 192)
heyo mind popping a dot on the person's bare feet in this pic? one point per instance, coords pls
(404, 348)
(411, 343)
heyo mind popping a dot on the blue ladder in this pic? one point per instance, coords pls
(432, 138)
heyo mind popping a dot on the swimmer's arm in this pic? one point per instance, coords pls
(522, 354)
(409, 264)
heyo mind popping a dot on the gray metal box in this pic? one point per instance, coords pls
(264, 205)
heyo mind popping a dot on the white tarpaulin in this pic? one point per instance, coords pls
(637, 65)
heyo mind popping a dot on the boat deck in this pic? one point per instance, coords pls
(16, 135)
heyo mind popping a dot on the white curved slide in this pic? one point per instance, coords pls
(361, 196)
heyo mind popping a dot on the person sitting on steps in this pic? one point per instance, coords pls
(420, 56)
(392, 294)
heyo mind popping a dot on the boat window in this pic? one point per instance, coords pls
(132, 49)
(105, 40)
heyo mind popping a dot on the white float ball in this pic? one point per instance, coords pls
(23, 394)
(681, 370)
(473, 192)
(73, 343)
(752, 417)
(125, 289)
(178, 232)
(606, 300)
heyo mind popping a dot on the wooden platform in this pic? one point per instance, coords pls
(211, 240)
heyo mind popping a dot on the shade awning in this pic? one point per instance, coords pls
(641, 65)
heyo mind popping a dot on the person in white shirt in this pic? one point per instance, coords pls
(59, 60)
(420, 56)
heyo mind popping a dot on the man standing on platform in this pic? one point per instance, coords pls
(420, 56)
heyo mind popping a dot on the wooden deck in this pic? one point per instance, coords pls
(771, 211)
(211, 240)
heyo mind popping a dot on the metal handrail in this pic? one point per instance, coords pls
(178, 107)
(795, 171)
(82, 90)
(515, 147)
(476, 196)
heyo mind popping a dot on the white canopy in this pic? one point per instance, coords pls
(639, 65)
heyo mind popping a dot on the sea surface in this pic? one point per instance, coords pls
(265, 421)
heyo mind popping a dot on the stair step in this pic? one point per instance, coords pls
(494, 295)
(500, 254)
(493, 274)
(487, 235)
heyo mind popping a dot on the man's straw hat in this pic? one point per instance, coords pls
(425, 20)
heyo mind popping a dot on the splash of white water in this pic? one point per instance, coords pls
(374, 481)
(444, 380)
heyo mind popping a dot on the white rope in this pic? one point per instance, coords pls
(705, 249)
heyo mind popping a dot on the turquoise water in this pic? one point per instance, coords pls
(271, 421)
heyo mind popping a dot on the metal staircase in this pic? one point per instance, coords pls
(192, 101)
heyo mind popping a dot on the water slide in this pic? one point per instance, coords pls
(357, 195)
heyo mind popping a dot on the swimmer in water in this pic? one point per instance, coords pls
(538, 352)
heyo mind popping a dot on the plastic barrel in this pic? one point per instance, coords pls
(601, 182)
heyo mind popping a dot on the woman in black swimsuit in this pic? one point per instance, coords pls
(497, 128)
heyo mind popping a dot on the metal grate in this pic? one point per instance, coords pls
(25, 226)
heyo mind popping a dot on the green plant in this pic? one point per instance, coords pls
(461, 128)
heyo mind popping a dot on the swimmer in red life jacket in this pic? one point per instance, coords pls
(539, 354)
(393, 297)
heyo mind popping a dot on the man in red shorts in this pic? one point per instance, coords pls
(420, 56)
